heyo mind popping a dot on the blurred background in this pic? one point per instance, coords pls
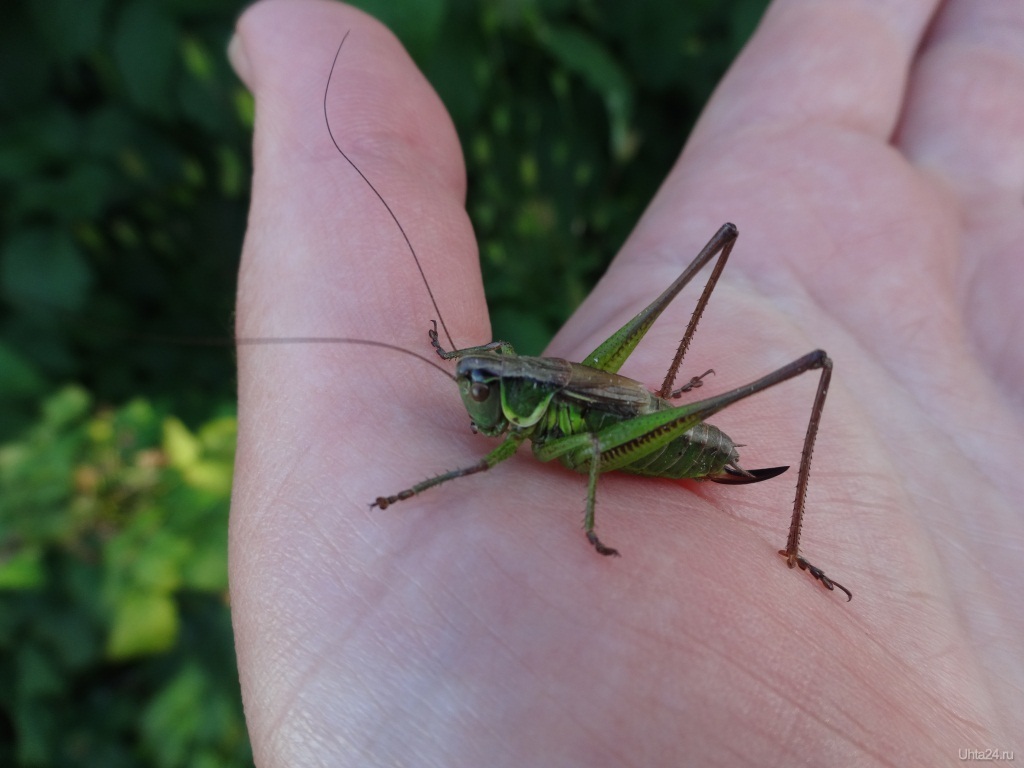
(124, 173)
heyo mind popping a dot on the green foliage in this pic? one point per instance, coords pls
(124, 164)
(123, 167)
(114, 625)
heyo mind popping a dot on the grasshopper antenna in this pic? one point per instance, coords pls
(381, 197)
(255, 341)
(331, 340)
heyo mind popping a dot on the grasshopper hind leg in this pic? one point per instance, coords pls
(816, 360)
(799, 561)
(601, 548)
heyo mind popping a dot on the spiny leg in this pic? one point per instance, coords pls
(622, 443)
(792, 551)
(684, 343)
(508, 447)
(614, 351)
(811, 361)
(704, 409)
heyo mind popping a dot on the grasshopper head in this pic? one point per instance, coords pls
(479, 379)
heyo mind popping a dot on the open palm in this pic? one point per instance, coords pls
(871, 155)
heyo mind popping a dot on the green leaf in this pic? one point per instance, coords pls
(37, 675)
(144, 623)
(35, 732)
(145, 48)
(44, 267)
(18, 377)
(211, 476)
(180, 445)
(69, 27)
(416, 24)
(175, 715)
(23, 569)
(66, 407)
(583, 55)
(207, 567)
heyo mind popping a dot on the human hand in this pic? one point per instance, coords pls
(876, 182)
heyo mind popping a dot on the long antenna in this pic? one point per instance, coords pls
(258, 341)
(381, 197)
(331, 340)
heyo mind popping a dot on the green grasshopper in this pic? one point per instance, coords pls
(594, 420)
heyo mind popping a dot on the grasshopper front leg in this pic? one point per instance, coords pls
(505, 450)
(501, 347)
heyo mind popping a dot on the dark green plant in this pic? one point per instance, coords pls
(124, 171)
(115, 638)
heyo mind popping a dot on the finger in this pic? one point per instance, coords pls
(323, 256)
(789, 119)
(965, 116)
(802, 119)
(840, 63)
(965, 123)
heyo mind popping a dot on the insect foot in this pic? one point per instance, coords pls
(696, 381)
(601, 548)
(383, 502)
(794, 560)
(435, 342)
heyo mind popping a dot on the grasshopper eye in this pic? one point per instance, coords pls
(479, 391)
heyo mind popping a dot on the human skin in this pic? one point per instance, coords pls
(872, 155)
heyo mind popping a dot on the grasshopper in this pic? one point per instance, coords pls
(593, 420)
